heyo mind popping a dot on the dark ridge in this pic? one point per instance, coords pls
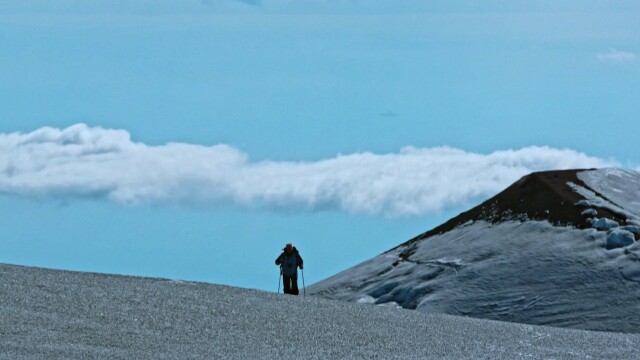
(538, 196)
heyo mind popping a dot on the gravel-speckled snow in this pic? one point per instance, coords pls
(47, 314)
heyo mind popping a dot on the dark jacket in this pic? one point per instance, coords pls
(289, 262)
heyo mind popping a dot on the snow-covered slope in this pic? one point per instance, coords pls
(556, 248)
(47, 314)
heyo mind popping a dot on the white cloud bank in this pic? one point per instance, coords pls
(617, 56)
(82, 161)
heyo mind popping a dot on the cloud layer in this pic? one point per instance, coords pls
(82, 161)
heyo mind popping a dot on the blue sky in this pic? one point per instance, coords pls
(192, 139)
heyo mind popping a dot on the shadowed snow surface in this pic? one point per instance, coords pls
(47, 314)
(530, 272)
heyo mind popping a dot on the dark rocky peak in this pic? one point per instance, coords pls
(546, 195)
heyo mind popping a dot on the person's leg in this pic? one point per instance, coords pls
(287, 284)
(294, 285)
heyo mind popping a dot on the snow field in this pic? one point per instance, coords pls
(49, 314)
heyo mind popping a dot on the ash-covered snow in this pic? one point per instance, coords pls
(47, 314)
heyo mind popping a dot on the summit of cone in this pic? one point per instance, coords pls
(543, 195)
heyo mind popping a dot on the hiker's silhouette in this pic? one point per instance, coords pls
(289, 261)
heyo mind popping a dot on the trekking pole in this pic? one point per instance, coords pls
(304, 288)
(279, 279)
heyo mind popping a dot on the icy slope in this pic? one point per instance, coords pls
(555, 248)
(616, 189)
(47, 314)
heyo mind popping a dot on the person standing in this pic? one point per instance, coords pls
(289, 261)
